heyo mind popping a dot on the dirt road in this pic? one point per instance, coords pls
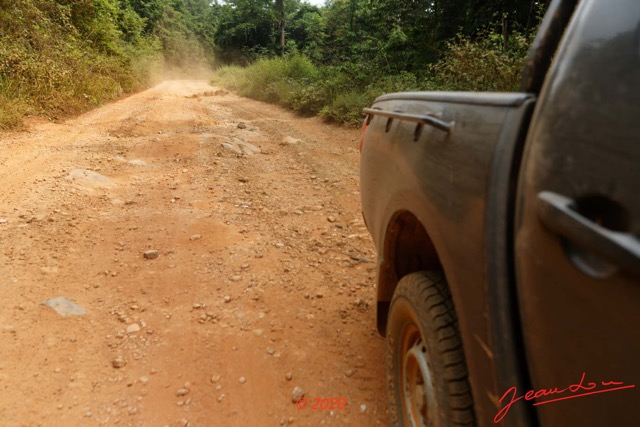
(215, 278)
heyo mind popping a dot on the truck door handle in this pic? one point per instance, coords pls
(559, 214)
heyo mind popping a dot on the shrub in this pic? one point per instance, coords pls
(308, 99)
(63, 57)
(337, 93)
(482, 64)
(11, 112)
(347, 107)
(231, 76)
(340, 92)
(282, 81)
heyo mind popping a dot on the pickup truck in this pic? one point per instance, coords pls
(507, 230)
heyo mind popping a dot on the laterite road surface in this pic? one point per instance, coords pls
(214, 254)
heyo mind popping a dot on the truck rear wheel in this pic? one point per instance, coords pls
(426, 369)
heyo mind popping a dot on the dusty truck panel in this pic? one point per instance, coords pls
(439, 181)
(520, 212)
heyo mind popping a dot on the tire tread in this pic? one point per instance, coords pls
(428, 292)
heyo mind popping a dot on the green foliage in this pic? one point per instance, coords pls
(60, 57)
(231, 76)
(273, 80)
(340, 92)
(246, 27)
(482, 64)
(347, 107)
(11, 112)
(185, 29)
(296, 83)
(361, 49)
(291, 82)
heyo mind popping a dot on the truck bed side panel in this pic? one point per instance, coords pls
(442, 179)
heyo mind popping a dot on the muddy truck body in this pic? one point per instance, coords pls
(506, 227)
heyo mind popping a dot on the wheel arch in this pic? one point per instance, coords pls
(408, 248)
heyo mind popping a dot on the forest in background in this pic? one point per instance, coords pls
(60, 57)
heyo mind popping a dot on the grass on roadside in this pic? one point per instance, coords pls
(339, 93)
(296, 83)
(49, 67)
(59, 81)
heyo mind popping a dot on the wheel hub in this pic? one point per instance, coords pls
(419, 394)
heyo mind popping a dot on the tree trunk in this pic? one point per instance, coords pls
(505, 33)
(280, 7)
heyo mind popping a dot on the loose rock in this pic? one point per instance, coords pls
(151, 254)
(134, 327)
(118, 362)
(248, 149)
(182, 392)
(231, 147)
(65, 307)
(137, 162)
(289, 140)
(297, 394)
(89, 180)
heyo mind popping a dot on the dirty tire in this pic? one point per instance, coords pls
(426, 370)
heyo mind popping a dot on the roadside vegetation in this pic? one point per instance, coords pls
(61, 57)
(339, 93)
(334, 60)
